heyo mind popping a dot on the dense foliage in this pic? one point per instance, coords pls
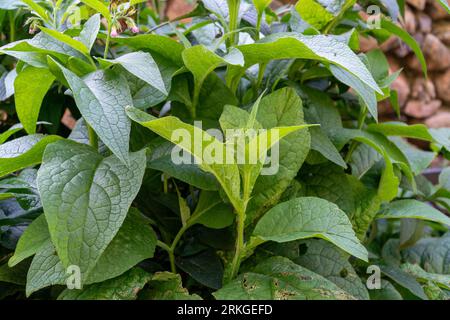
(348, 200)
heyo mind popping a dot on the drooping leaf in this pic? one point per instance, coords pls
(30, 87)
(205, 267)
(98, 6)
(413, 209)
(212, 212)
(292, 45)
(101, 197)
(310, 217)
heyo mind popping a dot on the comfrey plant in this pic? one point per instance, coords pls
(234, 156)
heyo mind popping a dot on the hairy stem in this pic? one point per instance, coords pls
(108, 40)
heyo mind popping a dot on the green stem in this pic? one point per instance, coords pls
(258, 25)
(233, 7)
(335, 21)
(354, 144)
(240, 246)
(169, 250)
(12, 26)
(93, 139)
(108, 40)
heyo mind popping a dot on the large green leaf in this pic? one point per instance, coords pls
(90, 30)
(281, 108)
(135, 238)
(310, 217)
(75, 44)
(279, 278)
(23, 152)
(326, 260)
(226, 174)
(163, 45)
(101, 98)
(313, 13)
(366, 93)
(86, 198)
(141, 65)
(30, 88)
(293, 45)
(212, 212)
(413, 209)
(124, 287)
(98, 6)
(201, 61)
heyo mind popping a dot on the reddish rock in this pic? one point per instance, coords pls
(410, 21)
(419, 109)
(390, 44)
(436, 53)
(440, 120)
(423, 90)
(367, 44)
(442, 31)
(401, 85)
(442, 83)
(418, 4)
(425, 23)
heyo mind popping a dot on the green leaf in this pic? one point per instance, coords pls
(418, 159)
(98, 6)
(201, 62)
(414, 209)
(442, 280)
(16, 275)
(101, 197)
(408, 39)
(322, 144)
(405, 280)
(386, 292)
(261, 5)
(281, 108)
(326, 260)
(160, 158)
(310, 217)
(141, 65)
(124, 287)
(90, 30)
(415, 131)
(226, 174)
(30, 87)
(366, 93)
(279, 278)
(77, 45)
(163, 45)
(135, 238)
(212, 212)
(31, 241)
(205, 267)
(167, 286)
(11, 131)
(432, 254)
(103, 108)
(314, 13)
(292, 45)
(23, 152)
(37, 8)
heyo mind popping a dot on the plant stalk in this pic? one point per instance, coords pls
(233, 7)
(12, 26)
(108, 40)
(93, 138)
(240, 246)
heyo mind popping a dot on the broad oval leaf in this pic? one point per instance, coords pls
(86, 198)
(310, 217)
